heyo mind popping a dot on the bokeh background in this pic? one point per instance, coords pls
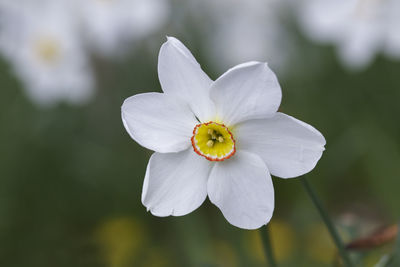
(71, 177)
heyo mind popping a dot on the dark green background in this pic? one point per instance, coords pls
(71, 177)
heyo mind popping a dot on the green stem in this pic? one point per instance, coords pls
(325, 217)
(266, 240)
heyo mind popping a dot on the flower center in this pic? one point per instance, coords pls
(213, 141)
(48, 50)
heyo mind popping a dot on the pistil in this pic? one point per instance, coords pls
(210, 143)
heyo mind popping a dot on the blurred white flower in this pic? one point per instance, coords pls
(359, 28)
(110, 26)
(237, 31)
(42, 43)
(46, 41)
(218, 138)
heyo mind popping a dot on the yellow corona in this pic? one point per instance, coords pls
(214, 141)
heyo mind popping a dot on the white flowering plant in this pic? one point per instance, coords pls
(222, 139)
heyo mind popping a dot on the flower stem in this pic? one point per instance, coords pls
(328, 222)
(266, 240)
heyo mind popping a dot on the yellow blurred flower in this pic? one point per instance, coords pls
(282, 237)
(157, 257)
(120, 240)
(319, 244)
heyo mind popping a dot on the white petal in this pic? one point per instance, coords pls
(180, 75)
(289, 147)
(359, 49)
(242, 189)
(247, 91)
(158, 122)
(175, 183)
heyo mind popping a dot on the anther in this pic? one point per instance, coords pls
(213, 141)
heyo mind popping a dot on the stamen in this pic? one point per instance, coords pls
(213, 141)
(212, 134)
(48, 50)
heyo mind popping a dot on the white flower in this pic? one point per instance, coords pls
(359, 28)
(110, 26)
(246, 31)
(218, 138)
(41, 43)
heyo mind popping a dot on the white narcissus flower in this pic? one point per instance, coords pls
(218, 138)
(110, 26)
(248, 30)
(359, 28)
(42, 44)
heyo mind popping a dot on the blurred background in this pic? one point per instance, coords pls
(71, 177)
